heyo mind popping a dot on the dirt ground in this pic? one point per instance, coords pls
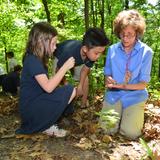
(83, 142)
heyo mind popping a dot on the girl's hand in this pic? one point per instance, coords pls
(69, 63)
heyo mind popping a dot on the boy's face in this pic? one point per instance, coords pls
(94, 53)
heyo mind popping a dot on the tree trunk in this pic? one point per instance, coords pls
(96, 12)
(126, 4)
(6, 60)
(60, 19)
(159, 69)
(102, 14)
(86, 13)
(47, 10)
(93, 13)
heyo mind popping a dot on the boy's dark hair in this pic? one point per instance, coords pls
(95, 37)
(10, 54)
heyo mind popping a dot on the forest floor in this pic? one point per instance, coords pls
(85, 141)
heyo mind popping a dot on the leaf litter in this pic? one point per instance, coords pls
(86, 140)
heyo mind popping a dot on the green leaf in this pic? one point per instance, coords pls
(148, 149)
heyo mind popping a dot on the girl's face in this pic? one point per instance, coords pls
(53, 44)
(128, 37)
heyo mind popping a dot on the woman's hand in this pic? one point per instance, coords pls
(109, 82)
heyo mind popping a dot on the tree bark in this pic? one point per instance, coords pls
(126, 4)
(86, 13)
(159, 69)
(6, 60)
(46, 10)
(102, 13)
(93, 13)
(61, 18)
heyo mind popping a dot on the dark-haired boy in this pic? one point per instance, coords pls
(85, 52)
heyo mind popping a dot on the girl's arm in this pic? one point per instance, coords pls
(64, 80)
(50, 84)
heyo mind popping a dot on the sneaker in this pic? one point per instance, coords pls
(54, 130)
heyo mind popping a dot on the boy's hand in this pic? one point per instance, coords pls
(69, 63)
(79, 91)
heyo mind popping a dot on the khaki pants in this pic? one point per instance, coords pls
(77, 72)
(131, 119)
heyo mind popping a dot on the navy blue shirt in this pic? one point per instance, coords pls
(39, 109)
(71, 48)
(29, 87)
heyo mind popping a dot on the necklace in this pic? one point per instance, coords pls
(128, 74)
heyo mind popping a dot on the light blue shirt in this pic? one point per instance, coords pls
(140, 67)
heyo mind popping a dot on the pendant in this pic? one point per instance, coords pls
(128, 76)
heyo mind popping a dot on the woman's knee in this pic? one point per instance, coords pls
(131, 133)
(132, 121)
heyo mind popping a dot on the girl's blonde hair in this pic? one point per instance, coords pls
(129, 18)
(39, 40)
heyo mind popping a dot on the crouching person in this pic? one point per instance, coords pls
(11, 81)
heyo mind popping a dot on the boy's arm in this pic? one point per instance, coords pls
(84, 73)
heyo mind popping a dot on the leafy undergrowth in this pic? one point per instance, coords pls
(86, 140)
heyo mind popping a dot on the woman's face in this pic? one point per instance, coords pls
(128, 37)
(53, 44)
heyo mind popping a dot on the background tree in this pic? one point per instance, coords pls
(46, 10)
(86, 13)
(72, 18)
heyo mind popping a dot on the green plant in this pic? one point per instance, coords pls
(148, 150)
(108, 118)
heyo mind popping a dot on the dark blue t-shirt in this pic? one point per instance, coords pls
(71, 48)
(39, 109)
(29, 87)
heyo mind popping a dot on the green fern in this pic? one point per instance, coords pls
(148, 149)
(108, 118)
